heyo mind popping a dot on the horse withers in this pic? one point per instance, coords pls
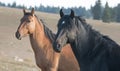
(41, 39)
(93, 51)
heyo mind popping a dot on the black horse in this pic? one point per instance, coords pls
(94, 51)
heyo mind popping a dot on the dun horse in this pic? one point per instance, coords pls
(41, 39)
(94, 51)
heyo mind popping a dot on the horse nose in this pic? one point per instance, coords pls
(17, 34)
(57, 46)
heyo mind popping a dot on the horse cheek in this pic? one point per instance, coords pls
(31, 28)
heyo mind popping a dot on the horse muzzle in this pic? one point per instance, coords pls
(57, 47)
(18, 36)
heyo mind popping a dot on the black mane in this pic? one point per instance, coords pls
(47, 31)
(100, 39)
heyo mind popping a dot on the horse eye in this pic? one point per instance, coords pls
(28, 21)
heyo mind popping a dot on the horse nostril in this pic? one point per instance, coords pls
(17, 34)
(58, 46)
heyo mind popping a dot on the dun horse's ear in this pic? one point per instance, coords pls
(61, 13)
(72, 14)
(32, 12)
(24, 11)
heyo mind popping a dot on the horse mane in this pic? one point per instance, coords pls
(47, 31)
(88, 27)
(83, 22)
(101, 42)
(93, 32)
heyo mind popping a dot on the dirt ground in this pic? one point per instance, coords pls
(17, 55)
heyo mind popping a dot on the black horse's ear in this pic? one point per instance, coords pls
(24, 11)
(61, 13)
(32, 12)
(72, 14)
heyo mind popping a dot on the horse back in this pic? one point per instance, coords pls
(113, 55)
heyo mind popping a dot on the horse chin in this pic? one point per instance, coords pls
(19, 38)
(58, 50)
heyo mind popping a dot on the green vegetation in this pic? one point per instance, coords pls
(98, 12)
(106, 14)
(118, 13)
(81, 11)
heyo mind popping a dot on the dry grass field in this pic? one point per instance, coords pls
(16, 55)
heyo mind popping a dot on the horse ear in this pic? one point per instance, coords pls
(72, 14)
(24, 11)
(32, 12)
(61, 13)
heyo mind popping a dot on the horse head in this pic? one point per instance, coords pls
(27, 24)
(66, 30)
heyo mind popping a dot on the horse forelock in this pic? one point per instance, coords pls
(28, 14)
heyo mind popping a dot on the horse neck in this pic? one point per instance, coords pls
(39, 41)
(88, 44)
(42, 47)
(84, 40)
